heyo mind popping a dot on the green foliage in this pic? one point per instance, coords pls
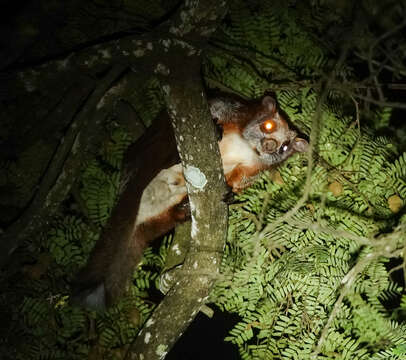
(148, 100)
(52, 328)
(264, 47)
(283, 276)
(69, 242)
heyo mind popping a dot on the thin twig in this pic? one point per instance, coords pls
(347, 283)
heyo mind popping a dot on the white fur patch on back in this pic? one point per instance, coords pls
(164, 191)
(235, 150)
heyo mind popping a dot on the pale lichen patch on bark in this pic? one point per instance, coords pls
(161, 69)
(147, 337)
(161, 350)
(195, 229)
(166, 43)
(112, 92)
(166, 89)
(105, 54)
(195, 177)
(92, 61)
(176, 249)
(139, 53)
(63, 64)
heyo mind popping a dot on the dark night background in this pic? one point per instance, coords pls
(38, 33)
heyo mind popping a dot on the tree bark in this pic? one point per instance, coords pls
(195, 137)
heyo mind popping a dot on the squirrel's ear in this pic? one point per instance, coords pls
(300, 145)
(218, 109)
(269, 103)
(222, 109)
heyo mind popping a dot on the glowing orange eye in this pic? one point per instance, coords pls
(268, 126)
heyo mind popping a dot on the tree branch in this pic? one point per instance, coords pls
(62, 170)
(198, 149)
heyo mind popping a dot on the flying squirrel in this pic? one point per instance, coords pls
(255, 137)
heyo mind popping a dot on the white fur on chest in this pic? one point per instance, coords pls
(163, 192)
(234, 151)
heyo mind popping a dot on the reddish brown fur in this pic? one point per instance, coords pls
(242, 176)
(229, 128)
(113, 258)
(122, 243)
(142, 237)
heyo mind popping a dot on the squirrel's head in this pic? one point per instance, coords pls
(260, 123)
